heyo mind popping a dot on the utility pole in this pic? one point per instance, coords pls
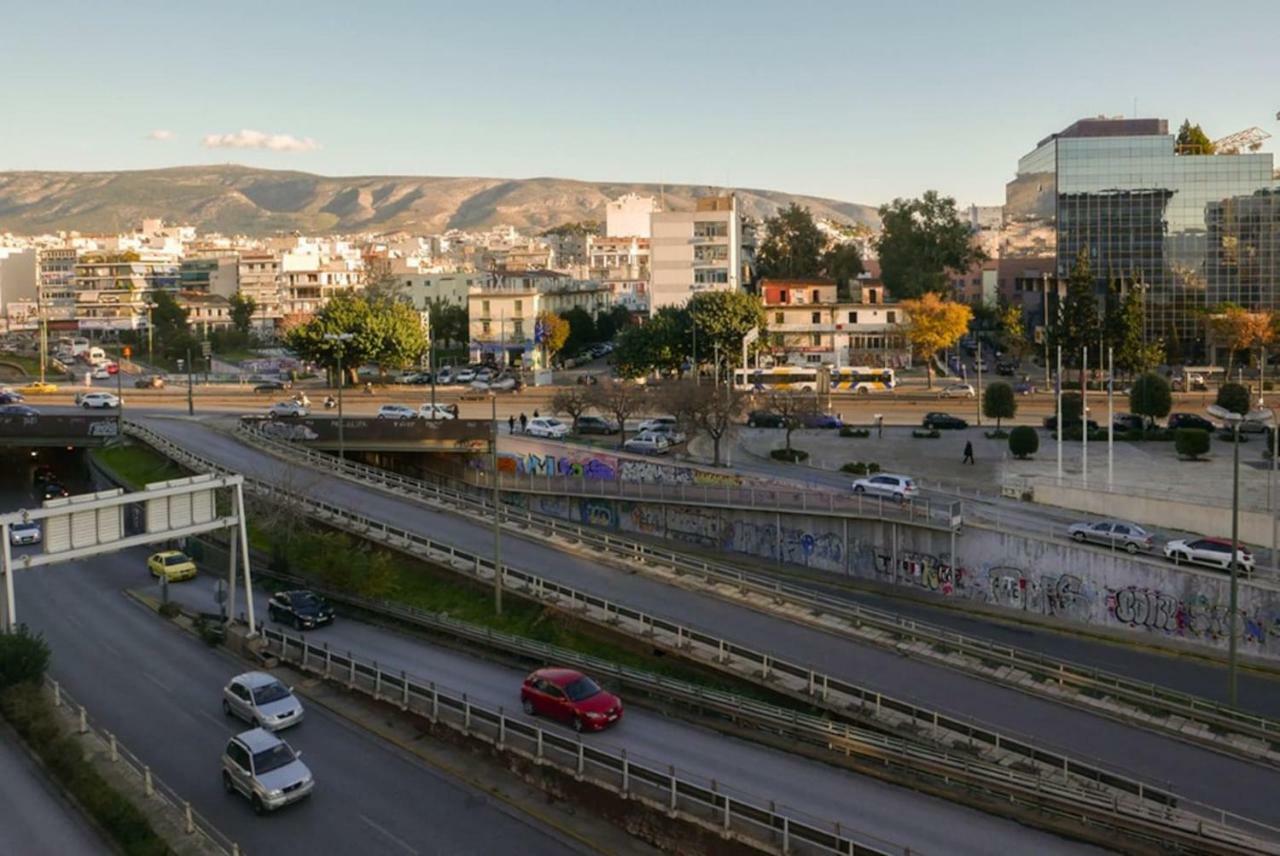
(342, 339)
(1084, 414)
(431, 343)
(1058, 392)
(696, 378)
(1111, 414)
(191, 404)
(497, 507)
(978, 366)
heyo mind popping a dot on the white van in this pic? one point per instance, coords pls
(95, 355)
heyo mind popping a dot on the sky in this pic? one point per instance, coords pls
(857, 101)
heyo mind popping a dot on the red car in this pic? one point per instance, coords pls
(570, 696)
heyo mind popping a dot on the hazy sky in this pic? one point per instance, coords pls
(854, 100)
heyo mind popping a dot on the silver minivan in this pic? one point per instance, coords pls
(266, 770)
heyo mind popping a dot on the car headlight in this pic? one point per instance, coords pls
(275, 793)
(595, 715)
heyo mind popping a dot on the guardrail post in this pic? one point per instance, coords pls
(626, 776)
(582, 760)
(466, 715)
(235, 849)
(720, 657)
(671, 810)
(191, 821)
(351, 675)
(538, 752)
(764, 670)
(824, 687)
(115, 750)
(147, 785)
(83, 727)
(328, 660)
(502, 728)
(728, 812)
(377, 681)
(786, 834)
(306, 650)
(812, 681)
(404, 686)
(435, 704)
(57, 694)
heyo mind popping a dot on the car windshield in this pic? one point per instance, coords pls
(272, 759)
(307, 602)
(581, 689)
(24, 527)
(268, 693)
(175, 560)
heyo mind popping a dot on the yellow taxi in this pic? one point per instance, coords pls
(38, 387)
(173, 565)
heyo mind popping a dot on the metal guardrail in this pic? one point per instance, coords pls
(193, 823)
(805, 682)
(1066, 799)
(710, 804)
(1151, 705)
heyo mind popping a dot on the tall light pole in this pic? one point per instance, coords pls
(342, 338)
(497, 506)
(1058, 391)
(1084, 414)
(1111, 413)
(1045, 330)
(696, 378)
(150, 329)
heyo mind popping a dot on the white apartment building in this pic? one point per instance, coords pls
(18, 288)
(502, 324)
(808, 325)
(628, 216)
(451, 289)
(707, 249)
(309, 278)
(260, 280)
(56, 282)
(112, 289)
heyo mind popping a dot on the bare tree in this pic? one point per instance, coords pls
(619, 398)
(712, 412)
(794, 409)
(572, 401)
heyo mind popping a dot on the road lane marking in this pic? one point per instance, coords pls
(390, 837)
(161, 684)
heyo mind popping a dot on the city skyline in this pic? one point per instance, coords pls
(853, 103)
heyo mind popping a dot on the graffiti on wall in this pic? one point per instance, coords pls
(1196, 617)
(599, 466)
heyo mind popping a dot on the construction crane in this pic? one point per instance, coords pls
(1248, 140)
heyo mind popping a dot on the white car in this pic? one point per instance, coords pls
(397, 411)
(663, 424)
(465, 376)
(260, 699)
(21, 534)
(546, 426)
(445, 376)
(887, 484)
(1215, 552)
(957, 390)
(99, 400)
(100, 373)
(648, 443)
(287, 409)
(438, 411)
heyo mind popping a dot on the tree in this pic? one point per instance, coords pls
(618, 398)
(170, 330)
(1150, 396)
(920, 240)
(386, 333)
(1077, 324)
(242, 309)
(449, 323)
(1023, 441)
(582, 330)
(1239, 330)
(998, 402)
(553, 332)
(1234, 397)
(723, 318)
(932, 325)
(662, 345)
(711, 412)
(1011, 326)
(843, 263)
(1072, 409)
(573, 401)
(1192, 140)
(792, 247)
(1191, 442)
(1133, 353)
(380, 284)
(24, 656)
(793, 409)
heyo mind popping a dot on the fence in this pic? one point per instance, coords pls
(193, 823)
(1148, 704)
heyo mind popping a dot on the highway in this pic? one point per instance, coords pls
(159, 690)
(38, 820)
(1197, 773)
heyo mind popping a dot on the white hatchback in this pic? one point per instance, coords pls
(545, 426)
(887, 484)
(99, 400)
(397, 411)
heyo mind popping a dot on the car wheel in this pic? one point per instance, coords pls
(86, 405)
(271, 613)
(228, 785)
(528, 707)
(226, 709)
(578, 724)
(297, 623)
(751, 423)
(1131, 548)
(258, 807)
(1078, 537)
(857, 488)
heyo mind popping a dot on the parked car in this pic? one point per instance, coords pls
(569, 696)
(596, 425)
(445, 375)
(21, 534)
(1113, 533)
(943, 421)
(100, 400)
(957, 390)
(438, 411)
(764, 419)
(887, 484)
(397, 411)
(264, 769)
(151, 382)
(823, 420)
(273, 386)
(262, 701)
(38, 387)
(18, 410)
(647, 443)
(673, 436)
(668, 424)
(1024, 387)
(174, 565)
(506, 383)
(1133, 422)
(288, 409)
(1189, 382)
(100, 373)
(301, 608)
(1215, 552)
(1191, 420)
(1051, 423)
(464, 376)
(547, 426)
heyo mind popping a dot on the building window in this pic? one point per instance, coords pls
(484, 327)
(815, 296)
(816, 318)
(710, 276)
(815, 339)
(519, 307)
(710, 229)
(892, 317)
(517, 328)
(853, 317)
(484, 309)
(777, 318)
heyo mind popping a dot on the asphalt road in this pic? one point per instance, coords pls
(899, 815)
(159, 690)
(37, 820)
(1194, 772)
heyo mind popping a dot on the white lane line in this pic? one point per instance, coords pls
(161, 684)
(392, 838)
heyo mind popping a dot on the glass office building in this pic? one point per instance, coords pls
(1195, 230)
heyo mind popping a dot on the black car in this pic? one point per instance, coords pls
(272, 386)
(1191, 420)
(11, 397)
(52, 490)
(596, 425)
(1006, 369)
(18, 410)
(764, 419)
(943, 421)
(301, 608)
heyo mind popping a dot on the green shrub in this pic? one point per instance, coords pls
(861, 468)
(790, 456)
(1234, 397)
(1226, 435)
(1191, 442)
(998, 434)
(1150, 396)
(926, 433)
(1023, 441)
(24, 656)
(850, 431)
(169, 610)
(999, 402)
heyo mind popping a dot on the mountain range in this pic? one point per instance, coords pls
(244, 200)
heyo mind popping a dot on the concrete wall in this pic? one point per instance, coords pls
(1057, 581)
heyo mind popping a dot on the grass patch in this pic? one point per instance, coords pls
(137, 464)
(860, 468)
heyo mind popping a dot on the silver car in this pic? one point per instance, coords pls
(261, 700)
(24, 533)
(266, 770)
(1113, 533)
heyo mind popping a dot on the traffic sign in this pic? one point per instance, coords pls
(128, 352)
(206, 349)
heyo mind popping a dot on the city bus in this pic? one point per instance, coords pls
(856, 379)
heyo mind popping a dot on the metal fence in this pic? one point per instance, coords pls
(192, 822)
(1148, 704)
(710, 804)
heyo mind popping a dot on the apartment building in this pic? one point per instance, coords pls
(111, 290)
(451, 289)
(56, 286)
(205, 312)
(258, 276)
(707, 249)
(309, 280)
(808, 325)
(629, 215)
(503, 322)
(212, 274)
(18, 288)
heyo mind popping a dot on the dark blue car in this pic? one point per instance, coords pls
(824, 420)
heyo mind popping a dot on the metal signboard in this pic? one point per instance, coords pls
(77, 526)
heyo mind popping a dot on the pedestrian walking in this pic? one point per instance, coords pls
(511, 424)
(524, 422)
(968, 452)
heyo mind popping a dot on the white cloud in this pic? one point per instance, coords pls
(160, 134)
(247, 139)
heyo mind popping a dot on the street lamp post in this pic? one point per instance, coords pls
(342, 338)
(150, 329)
(1058, 385)
(497, 506)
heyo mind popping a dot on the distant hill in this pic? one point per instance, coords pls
(243, 200)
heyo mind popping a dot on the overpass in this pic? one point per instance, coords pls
(364, 434)
(58, 430)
